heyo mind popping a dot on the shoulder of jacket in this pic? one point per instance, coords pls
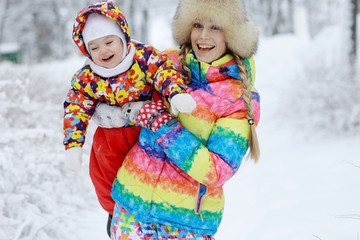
(85, 74)
(172, 52)
(143, 51)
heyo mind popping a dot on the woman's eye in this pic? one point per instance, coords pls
(197, 25)
(215, 28)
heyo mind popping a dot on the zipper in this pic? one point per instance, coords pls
(156, 234)
(202, 191)
(199, 73)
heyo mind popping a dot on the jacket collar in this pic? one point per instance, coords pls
(221, 69)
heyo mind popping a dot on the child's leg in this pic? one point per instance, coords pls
(109, 148)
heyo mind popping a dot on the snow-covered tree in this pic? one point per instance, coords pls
(43, 27)
(4, 6)
(328, 84)
(272, 16)
(354, 32)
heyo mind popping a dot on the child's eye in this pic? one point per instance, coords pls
(109, 42)
(197, 25)
(93, 49)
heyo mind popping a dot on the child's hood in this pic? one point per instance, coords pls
(107, 9)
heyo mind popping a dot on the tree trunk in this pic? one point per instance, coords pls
(144, 25)
(131, 18)
(4, 15)
(354, 31)
(291, 15)
(277, 19)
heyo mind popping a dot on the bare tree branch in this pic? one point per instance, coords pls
(350, 216)
(355, 165)
(316, 237)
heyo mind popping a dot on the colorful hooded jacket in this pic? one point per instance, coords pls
(150, 70)
(175, 176)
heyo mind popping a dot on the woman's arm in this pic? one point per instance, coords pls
(210, 162)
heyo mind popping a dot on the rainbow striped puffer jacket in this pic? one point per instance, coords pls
(150, 70)
(175, 176)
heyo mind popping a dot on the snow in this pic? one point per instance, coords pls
(305, 185)
(9, 48)
(300, 22)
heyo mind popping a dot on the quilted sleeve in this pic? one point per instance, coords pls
(209, 147)
(212, 162)
(79, 106)
(163, 74)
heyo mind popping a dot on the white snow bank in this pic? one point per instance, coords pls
(9, 48)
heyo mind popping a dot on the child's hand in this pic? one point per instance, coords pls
(108, 116)
(182, 102)
(153, 115)
(73, 159)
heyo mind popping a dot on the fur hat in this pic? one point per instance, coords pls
(241, 34)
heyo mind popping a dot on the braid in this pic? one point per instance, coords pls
(253, 141)
(184, 50)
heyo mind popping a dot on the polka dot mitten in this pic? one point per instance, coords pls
(153, 115)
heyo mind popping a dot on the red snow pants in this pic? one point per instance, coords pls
(109, 148)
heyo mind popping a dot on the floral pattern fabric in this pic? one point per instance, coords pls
(151, 70)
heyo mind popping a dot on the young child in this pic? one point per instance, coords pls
(118, 71)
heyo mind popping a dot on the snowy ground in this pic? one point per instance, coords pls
(305, 186)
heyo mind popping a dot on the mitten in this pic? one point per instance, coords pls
(108, 116)
(73, 159)
(130, 110)
(153, 115)
(182, 102)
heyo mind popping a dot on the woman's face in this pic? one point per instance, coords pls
(207, 41)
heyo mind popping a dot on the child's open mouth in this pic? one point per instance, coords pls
(108, 59)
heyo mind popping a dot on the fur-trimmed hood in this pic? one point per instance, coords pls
(107, 9)
(240, 31)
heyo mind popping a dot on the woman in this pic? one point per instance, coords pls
(170, 184)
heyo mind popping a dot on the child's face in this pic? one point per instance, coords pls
(106, 51)
(208, 41)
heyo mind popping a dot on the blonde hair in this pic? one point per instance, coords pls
(246, 85)
(253, 140)
(184, 50)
